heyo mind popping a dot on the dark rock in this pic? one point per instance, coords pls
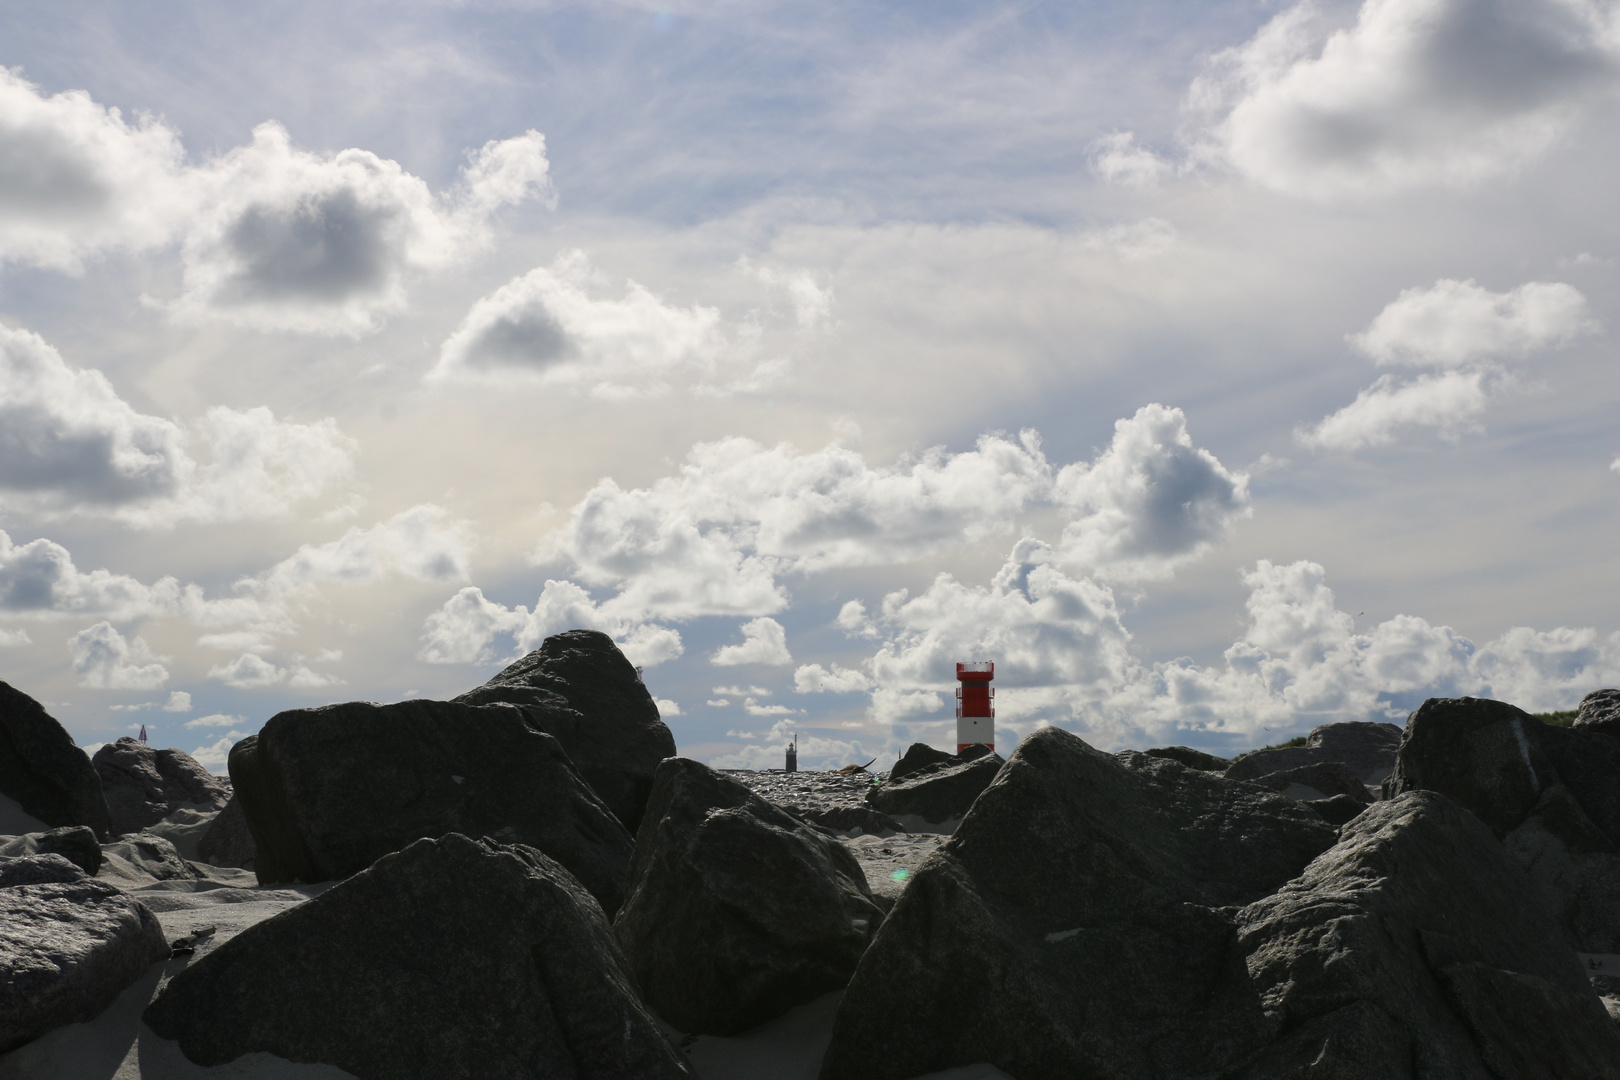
(939, 792)
(1193, 759)
(1419, 934)
(849, 818)
(1588, 764)
(37, 870)
(143, 785)
(453, 959)
(1369, 750)
(1599, 712)
(138, 855)
(228, 841)
(917, 756)
(1483, 755)
(1576, 867)
(580, 689)
(1338, 809)
(1070, 926)
(737, 911)
(67, 949)
(76, 843)
(1330, 778)
(43, 770)
(328, 791)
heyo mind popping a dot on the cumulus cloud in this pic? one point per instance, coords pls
(817, 749)
(179, 701)
(1119, 160)
(1411, 93)
(815, 679)
(216, 757)
(284, 239)
(667, 707)
(216, 720)
(1467, 331)
(11, 639)
(252, 672)
(1151, 501)
(465, 628)
(38, 579)
(1454, 323)
(76, 177)
(69, 443)
(764, 642)
(105, 660)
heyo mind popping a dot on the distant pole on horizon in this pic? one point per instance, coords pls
(975, 705)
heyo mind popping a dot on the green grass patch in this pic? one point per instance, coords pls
(1557, 719)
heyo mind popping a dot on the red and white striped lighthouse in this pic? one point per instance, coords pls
(975, 705)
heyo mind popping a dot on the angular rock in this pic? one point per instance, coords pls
(37, 870)
(848, 818)
(1576, 867)
(452, 959)
(939, 792)
(1484, 755)
(579, 688)
(228, 841)
(736, 910)
(67, 949)
(1419, 929)
(143, 785)
(1337, 810)
(1193, 759)
(1330, 778)
(1599, 712)
(76, 843)
(1369, 750)
(917, 756)
(137, 856)
(1588, 764)
(1071, 926)
(43, 770)
(328, 791)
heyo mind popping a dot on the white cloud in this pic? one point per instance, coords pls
(815, 679)
(1151, 502)
(753, 708)
(465, 627)
(667, 707)
(1454, 323)
(104, 660)
(76, 177)
(817, 749)
(38, 579)
(11, 639)
(179, 701)
(738, 691)
(216, 758)
(216, 720)
(69, 443)
(423, 543)
(1413, 93)
(1119, 160)
(1451, 402)
(252, 672)
(764, 642)
(284, 239)
(717, 703)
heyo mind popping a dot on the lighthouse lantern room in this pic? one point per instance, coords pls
(975, 705)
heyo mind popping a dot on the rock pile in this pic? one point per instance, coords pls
(143, 786)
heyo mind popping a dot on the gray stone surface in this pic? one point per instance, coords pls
(1369, 750)
(918, 756)
(37, 870)
(1484, 755)
(579, 688)
(852, 820)
(1071, 927)
(1193, 759)
(144, 785)
(1330, 778)
(328, 791)
(938, 792)
(452, 959)
(67, 949)
(736, 910)
(227, 841)
(42, 769)
(1418, 947)
(76, 843)
(141, 858)
(1599, 712)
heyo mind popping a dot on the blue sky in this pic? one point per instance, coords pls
(1217, 369)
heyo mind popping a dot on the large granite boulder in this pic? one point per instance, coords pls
(579, 688)
(48, 869)
(328, 791)
(76, 843)
(453, 959)
(1599, 711)
(143, 785)
(918, 756)
(1193, 759)
(1551, 794)
(1369, 750)
(43, 770)
(938, 792)
(1073, 926)
(1327, 779)
(137, 859)
(228, 841)
(737, 911)
(67, 949)
(1416, 947)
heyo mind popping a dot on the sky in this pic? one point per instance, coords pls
(1216, 369)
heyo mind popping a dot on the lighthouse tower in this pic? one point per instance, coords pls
(975, 705)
